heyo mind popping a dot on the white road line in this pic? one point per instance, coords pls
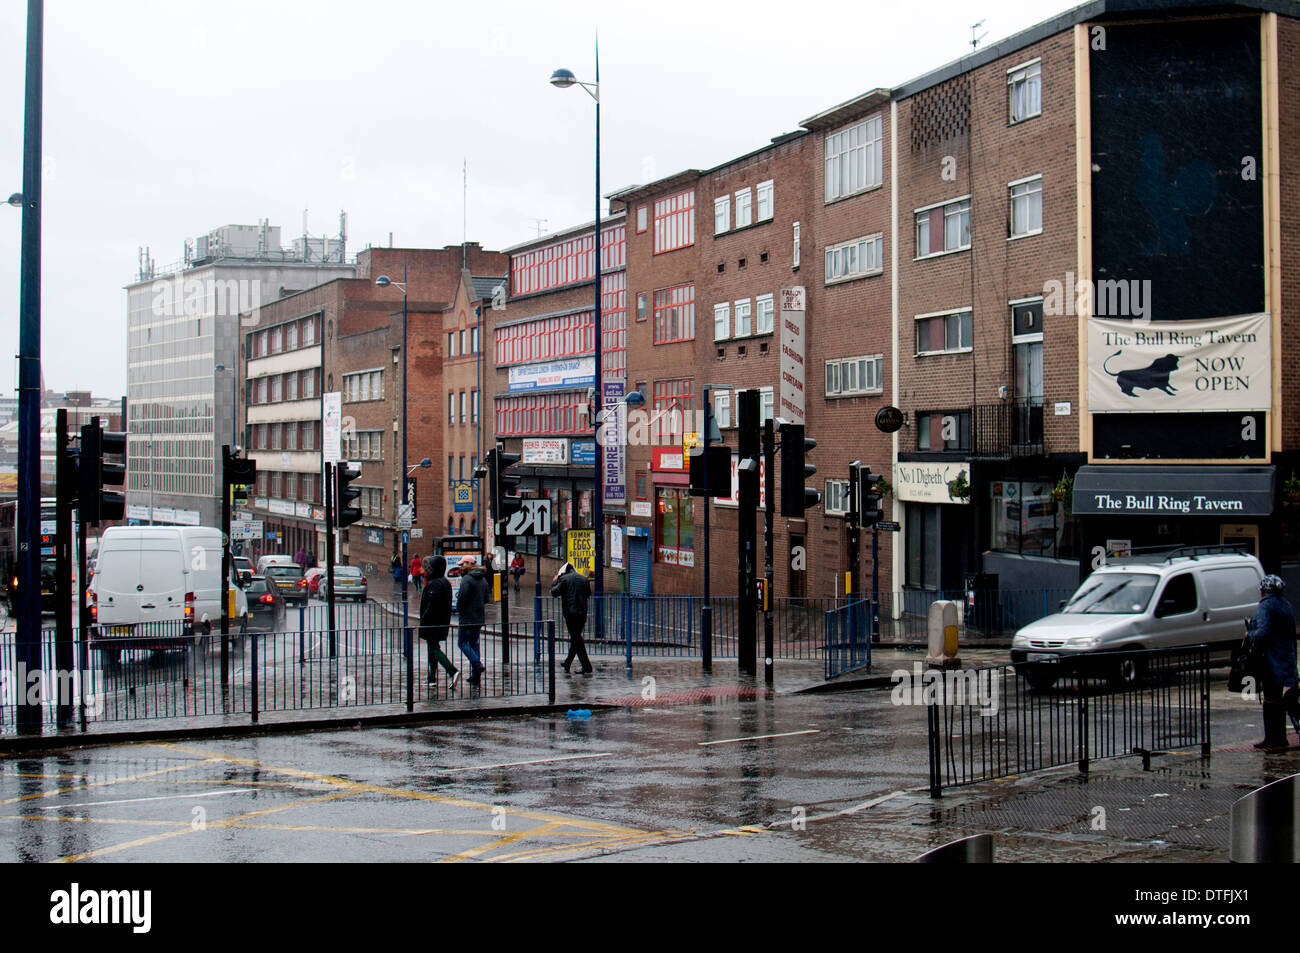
(848, 810)
(784, 734)
(512, 764)
(168, 797)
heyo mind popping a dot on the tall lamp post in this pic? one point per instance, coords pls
(383, 281)
(563, 79)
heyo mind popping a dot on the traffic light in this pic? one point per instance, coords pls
(872, 509)
(716, 460)
(93, 474)
(346, 496)
(508, 501)
(796, 496)
(241, 473)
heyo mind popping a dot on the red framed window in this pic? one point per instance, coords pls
(675, 222)
(671, 401)
(568, 335)
(674, 313)
(539, 414)
(613, 325)
(568, 261)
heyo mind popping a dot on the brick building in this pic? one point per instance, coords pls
(1027, 252)
(542, 373)
(346, 336)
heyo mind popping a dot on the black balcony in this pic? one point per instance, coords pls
(1008, 429)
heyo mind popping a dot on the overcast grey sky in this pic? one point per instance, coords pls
(166, 119)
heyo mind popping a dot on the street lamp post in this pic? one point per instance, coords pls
(563, 79)
(384, 281)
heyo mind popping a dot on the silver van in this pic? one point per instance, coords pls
(1188, 597)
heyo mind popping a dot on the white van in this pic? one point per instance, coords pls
(1189, 597)
(169, 576)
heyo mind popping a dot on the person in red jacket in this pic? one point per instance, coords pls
(417, 573)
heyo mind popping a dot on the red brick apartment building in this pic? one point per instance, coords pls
(542, 373)
(1077, 298)
(345, 336)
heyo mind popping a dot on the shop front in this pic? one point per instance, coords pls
(1131, 510)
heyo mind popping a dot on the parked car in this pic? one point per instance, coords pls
(1188, 597)
(273, 559)
(313, 577)
(265, 605)
(349, 583)
(157, 586)
(289, 579)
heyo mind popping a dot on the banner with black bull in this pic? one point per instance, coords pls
(1221, 364)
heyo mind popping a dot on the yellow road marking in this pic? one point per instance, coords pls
(105, 782)
(499, 842)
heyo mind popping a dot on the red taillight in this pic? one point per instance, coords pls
(268, 599)
(94, 613)
(189, 607)
(302, 582)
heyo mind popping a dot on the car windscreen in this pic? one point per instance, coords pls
(351, 572)
(1113, 593)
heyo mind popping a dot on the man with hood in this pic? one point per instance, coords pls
(435, 618)
(470, 600)
(1272, 635)
(573, 591)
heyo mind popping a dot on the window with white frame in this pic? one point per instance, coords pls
(1025, 90)
(794, 262)
(721, 214)
(766, 404)
(722, 408)
(836, 498)
(853, 259)
(1026, 206)
(945, 332)
(363, 385)
(744, 210)
(744, 326)
(853, 159)
(943, 227)
(847, 376)
(764, 308)
(766, 206)
(722, 321)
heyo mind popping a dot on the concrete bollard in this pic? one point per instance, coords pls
(943, 635)
(976, 849)
(1266, 824)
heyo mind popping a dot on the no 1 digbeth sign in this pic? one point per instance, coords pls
(793, 376)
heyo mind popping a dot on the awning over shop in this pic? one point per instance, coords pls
(1173, 491)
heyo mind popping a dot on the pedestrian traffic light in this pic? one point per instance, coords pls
(507, 486)
(796, 496)
(347, 495)
(871, 497)
(94, 503)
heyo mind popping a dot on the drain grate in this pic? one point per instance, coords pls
(1165, 808)
(689, 696)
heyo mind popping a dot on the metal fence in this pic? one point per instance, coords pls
(848, 637)
(993, 722)
(167, 673)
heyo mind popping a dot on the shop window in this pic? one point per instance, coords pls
(674, 527)
(1025, 518)
(922, 546)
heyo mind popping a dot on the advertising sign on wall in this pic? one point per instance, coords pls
(614, 443)
(1223, 364)
(332, 426)
(546, 450)
(582, 549)
(928, 482)
(579, 372)
(793, 375)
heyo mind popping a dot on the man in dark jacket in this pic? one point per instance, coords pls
(574, 591)
(1273, 636)
(470, 600)
(435, 618)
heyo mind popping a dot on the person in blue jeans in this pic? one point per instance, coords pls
(470, 602)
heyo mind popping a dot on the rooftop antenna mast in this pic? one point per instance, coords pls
(540, 222)
(975, 40)
(464, 212)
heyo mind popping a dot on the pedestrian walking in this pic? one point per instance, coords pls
(435, 618)
(301, 559)
(573, 591)
(1272, 637)
(517, 569)
(417, 573)
(395, 564)
(470, 602)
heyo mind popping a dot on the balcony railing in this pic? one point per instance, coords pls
(1008, 429)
